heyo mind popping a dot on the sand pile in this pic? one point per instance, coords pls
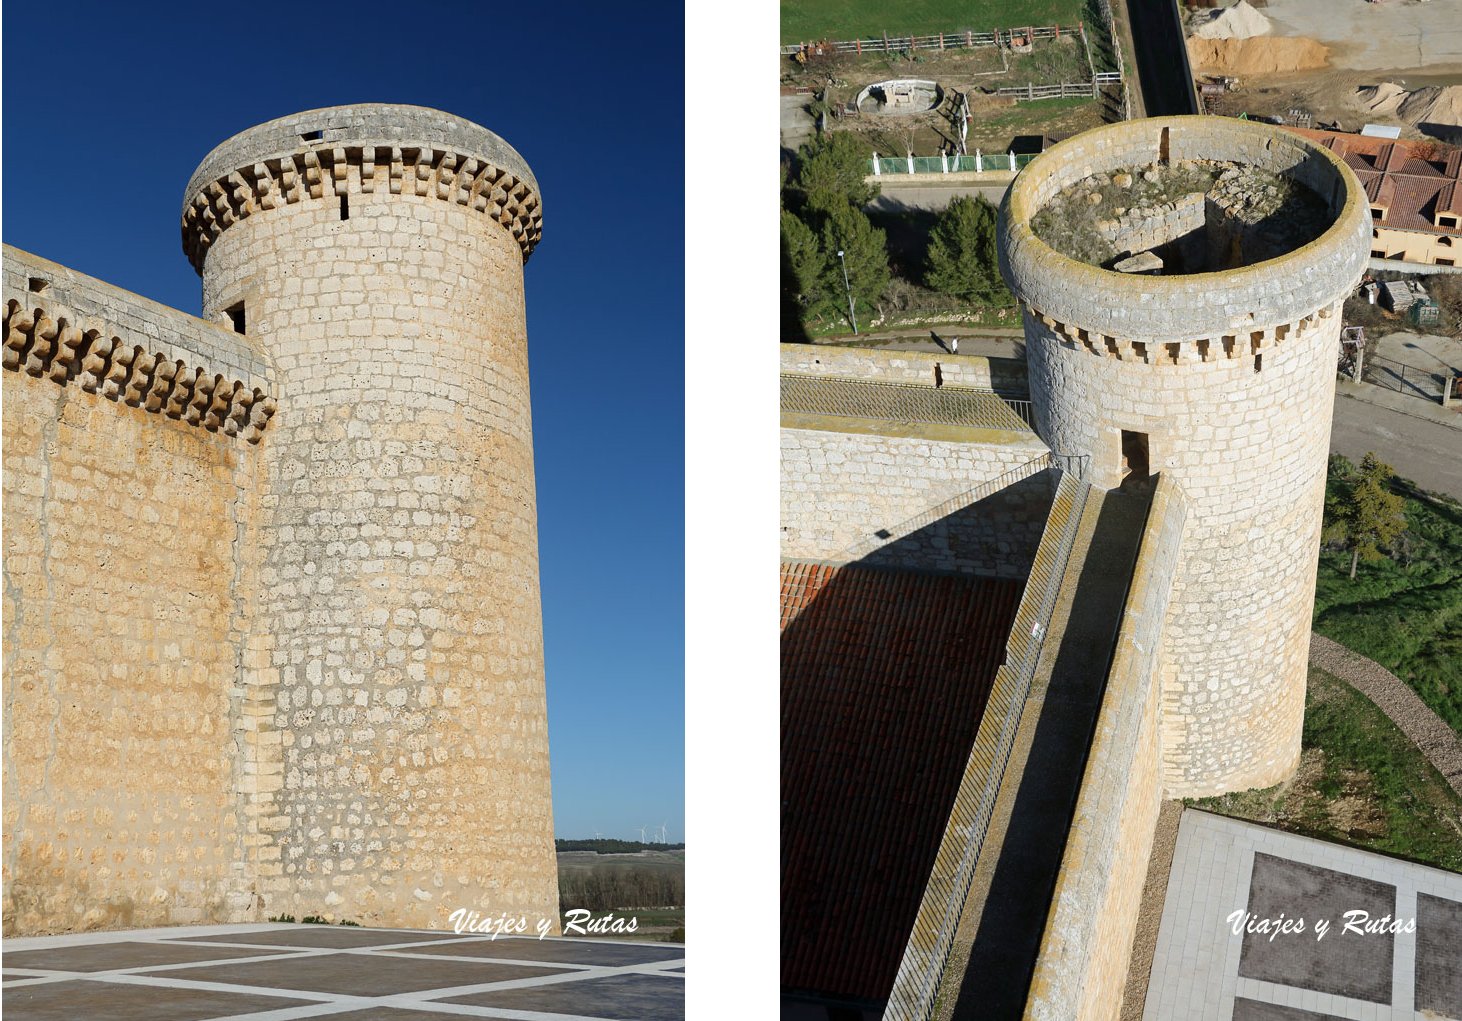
(1259, 55)
(1435, 105)
(1383, 99)
(1237, 22)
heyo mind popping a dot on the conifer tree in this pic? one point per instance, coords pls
(961, 256)
(1365, 515)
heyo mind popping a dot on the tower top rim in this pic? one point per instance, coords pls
(356, 124)
(1303, 279)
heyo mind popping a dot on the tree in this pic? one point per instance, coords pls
(1364, 514)
(831, 169)
(961, 255)
(865, 255)
(804, 268)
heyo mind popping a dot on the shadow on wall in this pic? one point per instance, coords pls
(993, 537)
(1007, 934)
(885, 675)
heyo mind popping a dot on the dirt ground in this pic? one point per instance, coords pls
(1393, 34)
(974, 71)
(1409, 42)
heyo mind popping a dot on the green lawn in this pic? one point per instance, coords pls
(1405, 612)
(1360, 781)
(806, 20)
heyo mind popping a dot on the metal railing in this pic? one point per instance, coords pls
(978, 163)
(1413, 380)
(916, 988)
(955, 504)
(903, 402)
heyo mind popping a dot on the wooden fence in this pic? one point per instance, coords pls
(1086, 90)
(938, 41)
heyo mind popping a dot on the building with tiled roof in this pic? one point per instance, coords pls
(885, 676)
(1415, 193)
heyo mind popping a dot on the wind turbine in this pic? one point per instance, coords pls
(662, 831)
(642, 834)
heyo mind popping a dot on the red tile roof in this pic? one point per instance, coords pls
(1413, 180)
(884, 678)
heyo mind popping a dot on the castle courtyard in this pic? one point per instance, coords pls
(1274, 971)
(280, 972)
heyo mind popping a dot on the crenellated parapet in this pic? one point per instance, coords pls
(372, 148)
(1221, 346)
(68, 329)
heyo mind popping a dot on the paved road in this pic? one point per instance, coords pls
(1428, 453)
(1161, 58)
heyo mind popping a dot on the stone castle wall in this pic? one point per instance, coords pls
(272, 618)
(1006, 375)
(840, 489)
(1230, 376)
(1082, 966)
(125, 504)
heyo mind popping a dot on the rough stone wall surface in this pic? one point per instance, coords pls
(1231, 377)
(122, 624)
(839, 489)
(1003, 374)
(395, 673)
(88, 302)
(1142, 229)
(1082, 966)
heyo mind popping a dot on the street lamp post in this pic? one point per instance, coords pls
(847, 287)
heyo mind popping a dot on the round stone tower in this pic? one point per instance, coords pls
(392, 720)
(1210, 360)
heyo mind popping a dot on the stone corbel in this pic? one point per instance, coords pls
(66, 351)
(117, 372)
(94, 364)
(260, 412)
(17, 335)
(141, 380)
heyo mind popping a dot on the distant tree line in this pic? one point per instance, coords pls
(823, 195)
(610, 846)
(615, 887)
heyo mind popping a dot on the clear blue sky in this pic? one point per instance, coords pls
(108, 107)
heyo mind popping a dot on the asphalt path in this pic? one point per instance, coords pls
(1161, 58)
(1426, 452)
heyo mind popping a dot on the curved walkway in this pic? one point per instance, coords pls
(1437, 741)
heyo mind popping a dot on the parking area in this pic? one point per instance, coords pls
(282, 972)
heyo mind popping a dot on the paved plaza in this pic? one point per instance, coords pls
(282, 972)
(1277, 968)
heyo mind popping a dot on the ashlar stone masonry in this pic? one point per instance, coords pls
(346, 715)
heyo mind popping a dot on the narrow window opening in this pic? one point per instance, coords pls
(1163, 148)
(1134, 456)
(1258, 363)
(311, 136)
(345, 207)
(236, 316)
(38, 285)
